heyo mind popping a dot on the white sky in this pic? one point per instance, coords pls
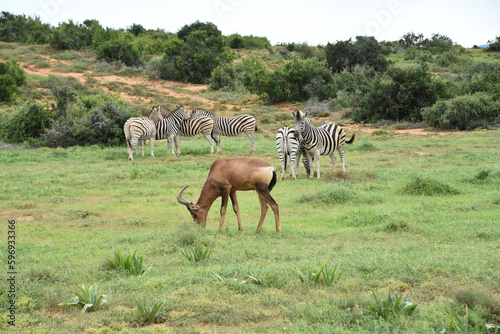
(314, 21)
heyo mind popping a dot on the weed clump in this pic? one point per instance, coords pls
(428, 187)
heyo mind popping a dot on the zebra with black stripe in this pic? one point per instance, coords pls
(290, 147)
(168, 127)
(140, 128)
(323, 140)
(193, 126)
(231, 126)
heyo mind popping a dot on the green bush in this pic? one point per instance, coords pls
(364, 51)
(465, 112)
(11, 78)
(236, 41)
(121, 49)
(193, 58)
(22, 29)
(399, 96)
(29, 122)
(95, 121)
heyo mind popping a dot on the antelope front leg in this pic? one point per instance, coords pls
(236, 209)
(223, 207)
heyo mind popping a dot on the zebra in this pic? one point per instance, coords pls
(192, 126)
(230, 126)
(139, 128)
(323, 140)
(289, 146)
(169, 126)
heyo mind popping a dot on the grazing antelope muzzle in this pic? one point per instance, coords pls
(228, 176)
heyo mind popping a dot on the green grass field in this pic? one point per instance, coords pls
(417, 215)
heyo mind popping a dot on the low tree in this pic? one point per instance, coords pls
(194, 58)
(121, 49)
(400, 96)
(365, 51)
(11, 78)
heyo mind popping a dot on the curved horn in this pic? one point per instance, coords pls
(182, 200)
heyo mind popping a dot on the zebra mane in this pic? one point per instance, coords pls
(204, 112)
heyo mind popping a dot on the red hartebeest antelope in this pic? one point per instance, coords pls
(228, 176)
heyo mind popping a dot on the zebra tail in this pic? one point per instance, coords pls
(273, 181)
(128, 135)
(350, 141)
(255, 127)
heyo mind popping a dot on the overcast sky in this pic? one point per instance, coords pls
(314, 21)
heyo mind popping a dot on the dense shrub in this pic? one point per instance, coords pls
(399, 97)
(11, 78)
(192, 59)
(30, 122)
(22, 29)
(97, 120)
(122, 49)
(364, 51)
(236, 41)
(298, 80)
(463, 112)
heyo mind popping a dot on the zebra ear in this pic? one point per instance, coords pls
(307, 113)
(293, 114)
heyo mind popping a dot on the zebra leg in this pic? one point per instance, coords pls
(252, 141)
(170, 145)
(292, 165)
(297, 159)
(211, 142)
(316, 157)
(137, 149)
(216, 137)
(236, 209)
(130, 150)
(332, 156)
(143, 142)
(177, 146)
(311, 168)
(342, 157)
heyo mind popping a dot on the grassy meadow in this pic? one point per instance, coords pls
(414, 215)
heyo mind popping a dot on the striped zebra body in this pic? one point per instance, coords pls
(289, 147)
(323, 140)
(168, 127)
(193, 126)
(139, 128)
(231, 126)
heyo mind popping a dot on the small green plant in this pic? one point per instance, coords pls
(149, 312)
(330, 276)
(471, 322)
(250, 253)
(197, 254)
(312, 276)
(392, 307)
(132, 263)
(90, 298)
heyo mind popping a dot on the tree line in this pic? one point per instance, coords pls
(360, 76)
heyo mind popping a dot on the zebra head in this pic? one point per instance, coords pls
(185, 114)
(300, 122)
(155, 114)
